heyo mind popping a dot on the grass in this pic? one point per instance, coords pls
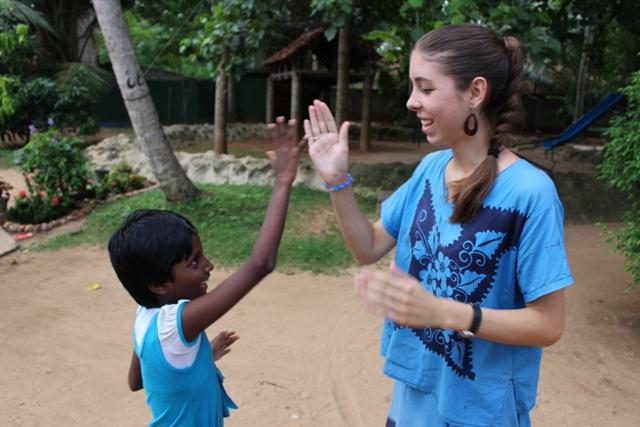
(6, 158)
(228, 219)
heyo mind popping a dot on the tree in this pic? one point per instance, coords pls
(229, 41)
(621, 170)
(142, 112)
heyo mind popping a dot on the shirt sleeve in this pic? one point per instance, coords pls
(178, 352)
(542, 265)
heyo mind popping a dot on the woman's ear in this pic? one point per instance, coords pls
(478, 92)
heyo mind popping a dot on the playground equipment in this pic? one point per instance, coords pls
(581, 124)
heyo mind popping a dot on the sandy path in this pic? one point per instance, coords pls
(307, 354)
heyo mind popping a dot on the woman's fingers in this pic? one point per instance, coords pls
(315, 125)
(324, 113)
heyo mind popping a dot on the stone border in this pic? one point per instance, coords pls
(85, 209)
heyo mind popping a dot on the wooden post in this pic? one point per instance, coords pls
(270, 118)
(365, 121)
(296, 100)
(342, 86)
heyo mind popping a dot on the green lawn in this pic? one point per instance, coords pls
(6, 158)
(228, 218)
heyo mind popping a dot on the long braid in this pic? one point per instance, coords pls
(506, 114)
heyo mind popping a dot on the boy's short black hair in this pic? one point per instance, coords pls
(146, 246)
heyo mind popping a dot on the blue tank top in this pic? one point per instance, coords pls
(191, 396)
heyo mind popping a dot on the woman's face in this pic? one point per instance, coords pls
(439, 105)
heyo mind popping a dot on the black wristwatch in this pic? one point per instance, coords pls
(475, 323)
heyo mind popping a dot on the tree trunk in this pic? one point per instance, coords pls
(583, 73)
(342, 90)
(220, 113)
(365, 122)
(232, 100)
(88, 50)
(170, 176)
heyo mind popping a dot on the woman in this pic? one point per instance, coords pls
(477, 286)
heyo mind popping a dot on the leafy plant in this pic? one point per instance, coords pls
(621, 170)
(54, 164)
(39, 207)
(121, 179)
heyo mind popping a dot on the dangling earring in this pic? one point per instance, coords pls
(471, 124)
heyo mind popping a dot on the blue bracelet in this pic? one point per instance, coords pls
(346, 183)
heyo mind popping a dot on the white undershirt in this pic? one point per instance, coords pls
(174, 348)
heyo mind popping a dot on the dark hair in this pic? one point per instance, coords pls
(467, 51)
(146, 246)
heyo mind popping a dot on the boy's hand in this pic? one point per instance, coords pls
(221, 343)
(286, 150)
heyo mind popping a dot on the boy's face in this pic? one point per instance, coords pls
(189, 276)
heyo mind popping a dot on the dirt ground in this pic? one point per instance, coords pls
(308, 352)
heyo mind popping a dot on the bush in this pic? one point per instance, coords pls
(121, 179)
(621, 170)
(54, 164)
(38, 208)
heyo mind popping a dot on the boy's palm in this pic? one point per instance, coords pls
(285, 152)
(221, 344)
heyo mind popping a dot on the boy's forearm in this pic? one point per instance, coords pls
(265, 250)
(203, 311)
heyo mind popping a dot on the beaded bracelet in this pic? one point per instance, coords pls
(346, 183)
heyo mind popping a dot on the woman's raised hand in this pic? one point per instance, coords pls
(328, 149)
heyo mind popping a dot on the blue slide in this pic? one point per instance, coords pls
(584, 121)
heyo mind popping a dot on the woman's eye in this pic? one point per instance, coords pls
(427, 91)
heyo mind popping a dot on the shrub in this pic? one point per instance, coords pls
(38, 208)
(621, 170)
(121, 179)
(55, 165)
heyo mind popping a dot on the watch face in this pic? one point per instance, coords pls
(466, 334)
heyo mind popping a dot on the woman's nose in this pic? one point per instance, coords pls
(412, 103)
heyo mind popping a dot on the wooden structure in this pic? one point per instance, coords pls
(309, 63)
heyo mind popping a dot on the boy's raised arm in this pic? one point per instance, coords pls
(198, 314)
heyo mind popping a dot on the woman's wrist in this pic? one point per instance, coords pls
(346, 182)
(455, 315)
(336, 179)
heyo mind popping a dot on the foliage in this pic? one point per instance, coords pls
(39, 207)
(55, 165)
(29, 97)
(228, 218)
(121, 179)
(16, 48)
(73, 102)
(229, 37)
(621, 170)
(335, 12)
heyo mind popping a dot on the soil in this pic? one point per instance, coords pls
(308, 352)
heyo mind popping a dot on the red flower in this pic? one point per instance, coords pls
(114, 183)
(55, 201)
(22, 194)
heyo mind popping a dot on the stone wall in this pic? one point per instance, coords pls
(201, 168)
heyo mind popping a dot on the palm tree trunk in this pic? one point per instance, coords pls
(170, 176)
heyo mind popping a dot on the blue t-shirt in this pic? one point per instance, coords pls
(510, 253)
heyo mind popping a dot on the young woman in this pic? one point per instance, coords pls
(476, 289)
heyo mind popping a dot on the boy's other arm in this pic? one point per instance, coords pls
(135, 375)
(198, 314)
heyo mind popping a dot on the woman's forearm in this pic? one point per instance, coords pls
(367, 242)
